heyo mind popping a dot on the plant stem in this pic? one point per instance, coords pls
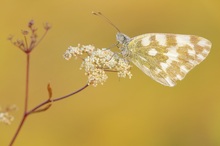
(18, 130)
(27, 113)
(27, 83)
(56, 99)
(26, 100)
(35, 45)
(65, 96)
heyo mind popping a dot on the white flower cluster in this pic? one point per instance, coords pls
(98, 62)
(5, 117)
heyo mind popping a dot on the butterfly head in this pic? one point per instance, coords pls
(122, 38)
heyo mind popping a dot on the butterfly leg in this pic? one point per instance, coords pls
(114, 45)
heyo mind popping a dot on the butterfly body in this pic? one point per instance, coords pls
(166, 58)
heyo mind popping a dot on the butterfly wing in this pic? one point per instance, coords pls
(167, 58)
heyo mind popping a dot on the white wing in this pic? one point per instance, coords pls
(167, 58)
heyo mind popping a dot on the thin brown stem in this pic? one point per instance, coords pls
(26, 43)
(27, 113)
(17, 46)
(27, 83)
(36, 44)
(26, 100)
(56, 99)
(18, 130)
(68, 95)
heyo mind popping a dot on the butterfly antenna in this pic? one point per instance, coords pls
(106, 19)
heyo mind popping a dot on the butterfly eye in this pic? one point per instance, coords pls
(122, 38)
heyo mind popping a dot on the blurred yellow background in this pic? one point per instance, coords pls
(125, 112)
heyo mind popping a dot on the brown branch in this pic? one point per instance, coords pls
(37, 43)
(36, 109)
(26, 100)
(57, 99)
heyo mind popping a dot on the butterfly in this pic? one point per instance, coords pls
(165, 57)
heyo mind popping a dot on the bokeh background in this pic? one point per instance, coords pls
(125, 112)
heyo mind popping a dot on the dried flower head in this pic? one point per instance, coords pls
(30, 23)
(31, 39)
(47, 26)
(98, 62)
(5, 116)
(24, 32)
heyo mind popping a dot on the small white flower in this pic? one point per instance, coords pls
(6, 118)
(88, 49)
(98, 62)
